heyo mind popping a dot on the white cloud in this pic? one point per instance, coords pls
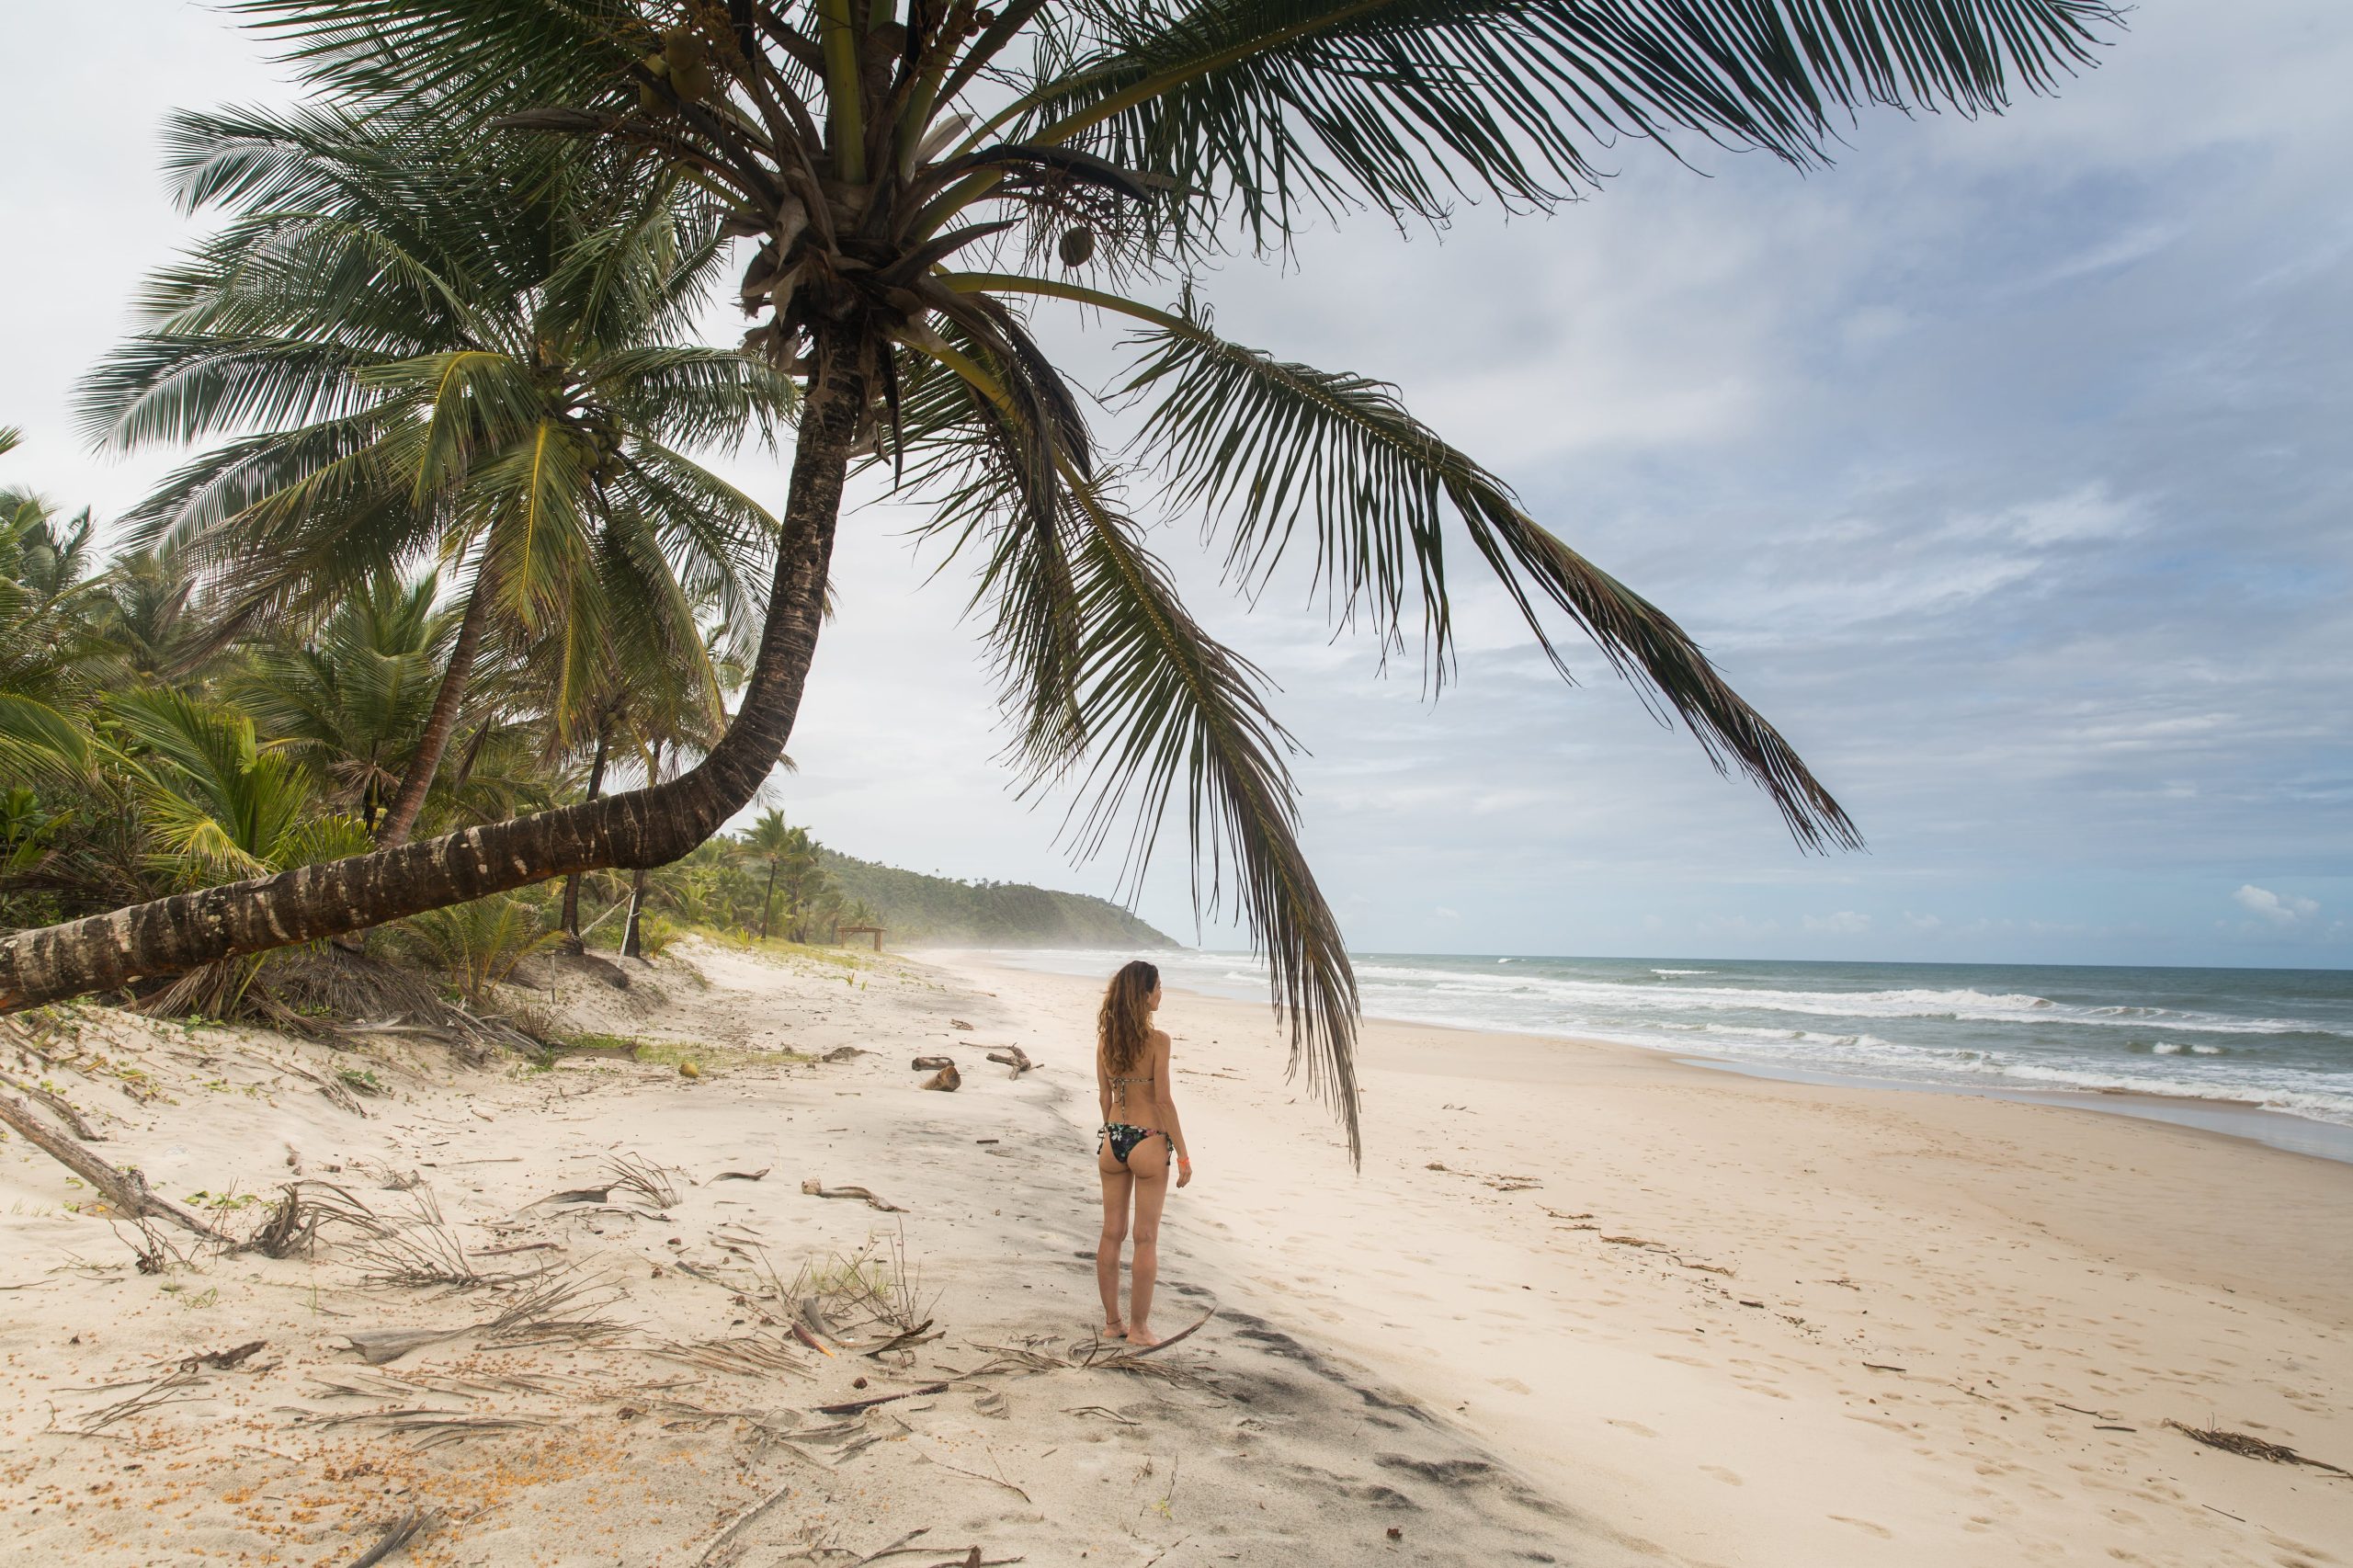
(1847, 921)
(2281, 909)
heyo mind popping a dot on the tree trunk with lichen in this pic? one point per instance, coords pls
(639, 828)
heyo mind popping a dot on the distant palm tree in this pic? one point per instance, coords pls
(453, 351)
(770, 839)
(50, 596)
(353, 694)
(917, 177)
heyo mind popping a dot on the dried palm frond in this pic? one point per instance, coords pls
(642, 1176)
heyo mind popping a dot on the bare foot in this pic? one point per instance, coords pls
(1141, 1337)
(1114, 1331)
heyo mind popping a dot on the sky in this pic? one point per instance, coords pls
(2002, 465)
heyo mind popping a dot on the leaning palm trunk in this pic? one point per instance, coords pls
(440, 725)
(643, 827)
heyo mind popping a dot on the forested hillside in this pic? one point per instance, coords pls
(915, 909)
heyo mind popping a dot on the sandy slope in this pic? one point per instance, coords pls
(642, 1443)
(1756, 1324)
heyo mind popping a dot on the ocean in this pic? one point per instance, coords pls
(2224, 1041)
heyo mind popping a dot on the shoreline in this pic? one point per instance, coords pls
(2225, 1116)
(2242, 1119)
(1742, 1320)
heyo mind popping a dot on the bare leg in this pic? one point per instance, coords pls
(1117, 1184)
(1148, 1170)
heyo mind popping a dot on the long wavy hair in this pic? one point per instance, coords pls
(1124, 1026)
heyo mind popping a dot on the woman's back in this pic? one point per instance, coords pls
(1131, 1093)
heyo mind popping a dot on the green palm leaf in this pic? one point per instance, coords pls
(1166, 711)
(1409, 105)
(1264, 445)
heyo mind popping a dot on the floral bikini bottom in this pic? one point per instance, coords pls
(1124, 1138)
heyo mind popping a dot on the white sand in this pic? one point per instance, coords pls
(1500, 1372)
(1261, 1448)
(1670, 1332)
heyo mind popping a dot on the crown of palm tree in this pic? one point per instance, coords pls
(918, 179)
(451, 351)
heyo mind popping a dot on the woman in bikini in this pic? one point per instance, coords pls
(1140, 1138)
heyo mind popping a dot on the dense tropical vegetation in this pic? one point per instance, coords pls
(280, 744)
(916, 184)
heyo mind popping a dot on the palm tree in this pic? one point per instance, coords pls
(916, 180)
(353, 694)
(453, 350)
(770, 839)
(50, 596)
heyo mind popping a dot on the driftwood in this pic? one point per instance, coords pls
(930, 1063)
(816, 1188)
(1013, 1056)
(946, 1080)
(61, 1104)
(126, 1189)
(743, 1176)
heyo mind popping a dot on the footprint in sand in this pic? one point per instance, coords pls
(1866, 1525)
(1510, 1385)
(1730, 1477)
(1636, 1427)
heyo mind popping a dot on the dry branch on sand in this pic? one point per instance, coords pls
(2254, 1448)
(173, 1388)
(422, 1250)
(57, 1103)
(1093, 1355)
(744, 1355)
(543, 1315)
(126, 1190)
(632, 1173)
(1013, 1056)
(426, 1426)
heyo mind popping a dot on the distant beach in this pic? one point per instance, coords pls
(2258, 1053)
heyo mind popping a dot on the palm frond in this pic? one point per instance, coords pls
(1408, 105)
(1166, 710)
(1264, 444)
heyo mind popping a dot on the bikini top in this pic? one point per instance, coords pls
(1119, 1088)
